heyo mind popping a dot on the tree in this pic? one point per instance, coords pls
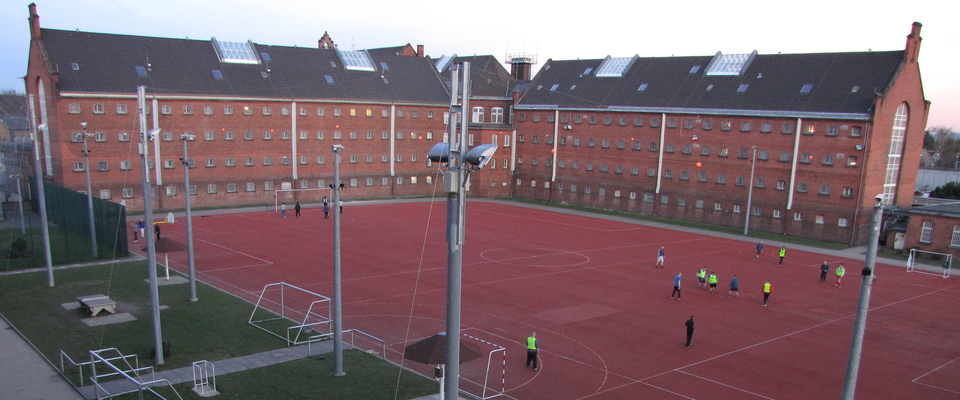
(943, 148)
(949, 191)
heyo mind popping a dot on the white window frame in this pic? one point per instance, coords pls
(926, 232)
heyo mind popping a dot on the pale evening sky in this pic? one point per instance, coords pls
(557, 30)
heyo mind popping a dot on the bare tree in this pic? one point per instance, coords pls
(942, 148)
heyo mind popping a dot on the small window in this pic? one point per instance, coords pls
(781, 185)
(721, 179)
(212, 188)
(248, 161)
(230, 162)
(763, 155)
(707, 124)
(798, 216)
(211, 162)
(766, 127)
(832, 130)
(102, 166)
(127, 193)
(227, 110)
(787, 128)
(856, 131)
(187, 110)
(638, 121)
(74, 108)
(760, 183)
(166, 110)
(784, 156)
(828, 159)
(740, 181)
(251, 187)
(726, 126)
(671, 123)
(717, 206)
(805, 158)
(842, 223)
(847, 192)
(688, 123)
(801, 187)
(705, 150)
(98, 109)
(268, 161)
(684, 175)
(687, 149)
(121, 108)
(100, 137)
(167, 136)
(824, 190)
(105, 194)
(167, 164)
(745, 126)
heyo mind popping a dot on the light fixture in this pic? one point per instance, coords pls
(440, 152)
(480, 155)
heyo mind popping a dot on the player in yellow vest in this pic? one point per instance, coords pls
(712, 280)
(532, 349)
(783, 253)
(702, 278)
(840, 272)
(767, 291)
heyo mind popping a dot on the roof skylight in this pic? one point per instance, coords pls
(614, 67)
(743, 87)
(217, 74)
(355, 60)
(643, 87)
(806, 88)
(729, 64)
(141, 71)
(235, 52)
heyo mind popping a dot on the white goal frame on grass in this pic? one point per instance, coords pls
(946, 266)
(313, 318)
(276, 195)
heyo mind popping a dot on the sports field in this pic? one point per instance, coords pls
(587, 286)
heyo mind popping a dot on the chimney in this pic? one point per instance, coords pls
(325, 42)
(913, 43)
(520, 68)
(420, 51)
(34, 21)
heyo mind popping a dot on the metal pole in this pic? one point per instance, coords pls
(41, 198)
(192, 272)
(746, 222)
(86, 168)
(148, 216)
(337, 297)
(23, 226)
(863, 306)
(456, 213)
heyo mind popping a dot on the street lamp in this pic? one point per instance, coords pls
(753, 165)
(186, 137)
(86, 164)
(337, 297)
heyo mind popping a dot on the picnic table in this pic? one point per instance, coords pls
(96, 303)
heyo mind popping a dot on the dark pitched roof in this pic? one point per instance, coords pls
(774, 80)
(488, 77)
(950, 208)
(107, 64)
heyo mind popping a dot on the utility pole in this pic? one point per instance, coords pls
(337, 289)
(456, 213)
(145, 137)
(86, 168)
(863, 306)
(746, 221)
(41, 198)
(186, 196)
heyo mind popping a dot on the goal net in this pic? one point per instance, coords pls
(929, 262)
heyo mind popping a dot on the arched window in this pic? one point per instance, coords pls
(894, 155)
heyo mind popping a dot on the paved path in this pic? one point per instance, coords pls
(25, 374)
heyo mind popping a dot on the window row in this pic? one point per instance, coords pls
(706, 124)
(168, 136)
(187, 109)
(170, 163)
(926, 234)
(213, 188)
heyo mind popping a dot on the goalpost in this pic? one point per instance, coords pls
(913, 260)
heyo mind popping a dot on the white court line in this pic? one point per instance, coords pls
(264, 261)
(935, 370)
(554, 222)
(726, 385)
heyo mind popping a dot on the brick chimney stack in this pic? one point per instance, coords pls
(420, 51)
(34, 21)
(912, 52)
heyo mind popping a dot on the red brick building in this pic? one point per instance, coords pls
(675, 137)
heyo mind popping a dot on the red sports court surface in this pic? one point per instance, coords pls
(602, 313)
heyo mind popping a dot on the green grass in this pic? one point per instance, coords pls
(65, 248)
(213, 328)
(689, 224)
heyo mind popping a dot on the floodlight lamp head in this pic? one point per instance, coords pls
(480, 155)
(187, 136)
(83, 125)
(440, 152)
(153, 134)
(42, 126)
(337, 148)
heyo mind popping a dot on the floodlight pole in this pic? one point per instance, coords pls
(456, 213)
(863, 306)
(148, 216)
(746, 220)
(41, 198)
(337, 297)
(86, 170)
(192, 271)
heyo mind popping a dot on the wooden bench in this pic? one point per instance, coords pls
(96, 303)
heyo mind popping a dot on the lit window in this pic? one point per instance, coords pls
(842, 223)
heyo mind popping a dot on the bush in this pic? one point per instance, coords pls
(18, 249)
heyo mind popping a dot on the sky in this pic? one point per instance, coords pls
(545, 30)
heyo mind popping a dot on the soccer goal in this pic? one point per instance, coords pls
(929, 259)
(280, 303)
(290, 196)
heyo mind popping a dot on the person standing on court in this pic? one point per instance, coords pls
(156, 230)
(142, 225)
(341, 207)
(734, 286)
(297, 208)
(659, 258)
(325, 200)
(676, 287)
(767, 291)
(712, 280)
(135, 230)
(823, 271)
(783, 253)
(283, 210)
(759, 250)
(690, 330)
(840, 272)
(702, 278)
(326, 210)
(533, 348)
